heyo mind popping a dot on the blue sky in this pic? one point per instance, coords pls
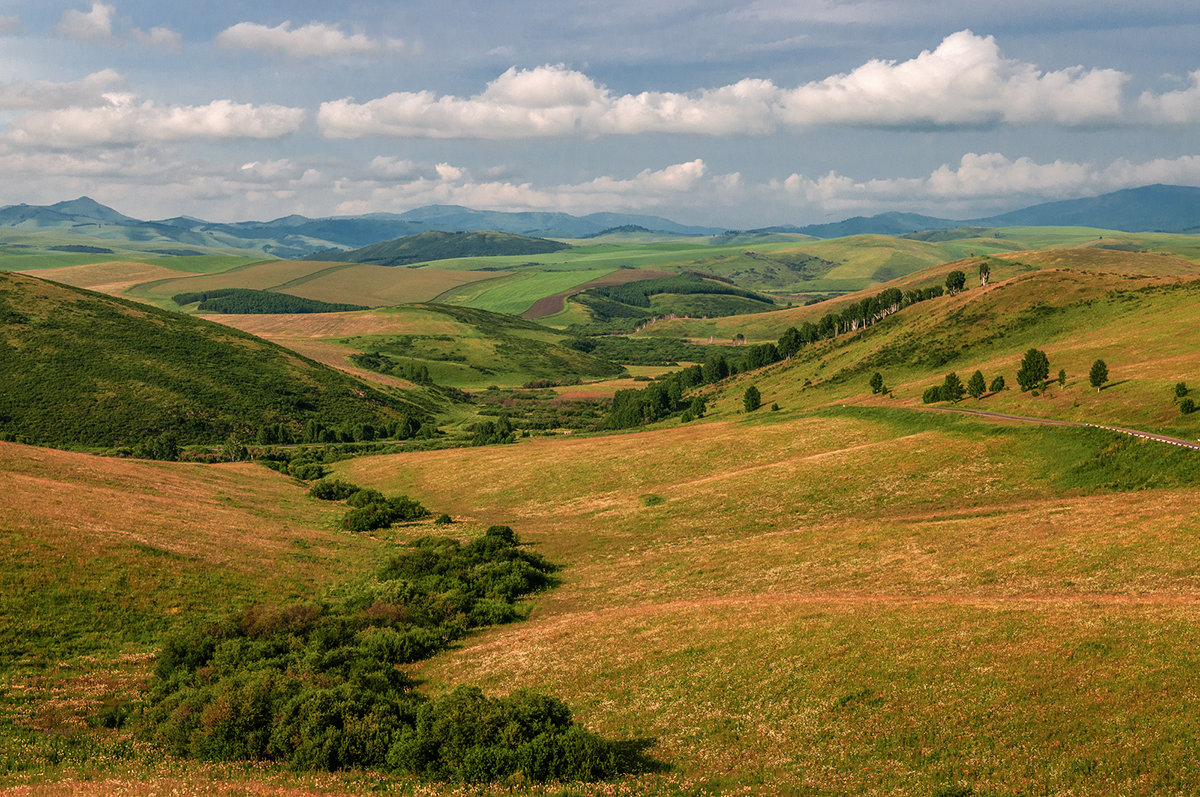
(731, 114)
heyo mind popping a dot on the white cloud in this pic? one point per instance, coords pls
(44, 94)
(990, 180)
(9, 23)
(315, 40)
(1174, 107)
(94, 24)
(163, 38)
(449, 184)
(966, 81)
(123, 119)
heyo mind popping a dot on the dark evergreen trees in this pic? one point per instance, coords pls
(877, 382)
(1035, 369)
(952, 388)
(976, 385)
(1098, 375)
(751, 399)
(997, 384)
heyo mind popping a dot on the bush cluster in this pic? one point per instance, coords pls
(318, 685)
(370, 509)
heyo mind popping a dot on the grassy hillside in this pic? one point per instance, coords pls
(428, 246)
(372, 286)
(469, 348)
(82, 369)
(852, 602)
(458, 346)
(1141, 327)
(844, 596)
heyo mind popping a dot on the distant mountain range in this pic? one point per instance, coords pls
(1165, 208)
(295, 236)
(1151, 208)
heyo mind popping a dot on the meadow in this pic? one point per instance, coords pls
(841, 592)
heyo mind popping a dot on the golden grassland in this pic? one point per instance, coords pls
(859, 601)
(836, 605)
(112, 278)
(376, 286)
(846, 596)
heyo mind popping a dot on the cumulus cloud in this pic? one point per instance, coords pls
(163, 38)
(987, 180)
(314, 40)
(446, 183)
(94, 24)
(122, 119)
(44, 94)
(965, 81)
(1174, 107)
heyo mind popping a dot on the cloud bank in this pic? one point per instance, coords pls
(122, 120)
(315, 40)
(43, 94)
(965, 82)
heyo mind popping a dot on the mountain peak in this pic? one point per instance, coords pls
(89, 208)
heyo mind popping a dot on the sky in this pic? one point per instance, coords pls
(735, 115)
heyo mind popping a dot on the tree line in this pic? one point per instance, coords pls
(256, 302)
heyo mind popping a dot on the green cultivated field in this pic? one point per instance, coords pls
(516, 293)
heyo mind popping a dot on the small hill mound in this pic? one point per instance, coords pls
(470, 348)
(444, 246)
(83, 369)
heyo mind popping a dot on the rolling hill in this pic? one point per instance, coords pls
(847, 595)
(428, 246)
(83, 370)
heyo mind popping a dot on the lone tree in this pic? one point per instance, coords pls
(952, 388)
(997, 384)
(1098, 375)
(1062, 377)
(985, 273)
(955, 281)
(975, 385)
(752, 399)
(876, 382)
(1035, 369)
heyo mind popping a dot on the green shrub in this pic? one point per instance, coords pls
(317, 686)
(1187, 406)
(367, 518)
(443, 520)
(332, 490)
(932, 394)
(1181, 389)
(307, 471)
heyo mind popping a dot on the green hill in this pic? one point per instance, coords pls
(443, 246)
(466, 347)
(83, 369)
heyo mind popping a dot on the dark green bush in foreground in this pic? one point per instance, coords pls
(318, 685)
(371, 509)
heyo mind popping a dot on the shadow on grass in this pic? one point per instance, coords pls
(632, 757)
